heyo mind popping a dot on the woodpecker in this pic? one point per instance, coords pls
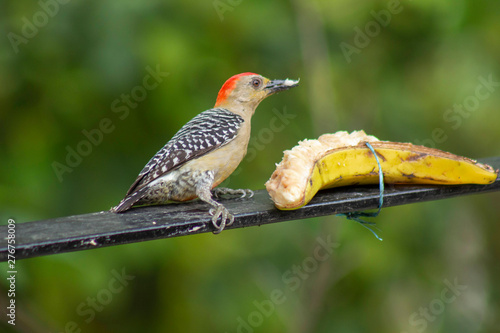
(205, 151)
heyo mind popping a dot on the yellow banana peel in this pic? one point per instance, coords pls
(342, 159)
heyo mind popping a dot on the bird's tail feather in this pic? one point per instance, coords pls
(129, 201)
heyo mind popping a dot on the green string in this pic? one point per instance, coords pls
(357, 216)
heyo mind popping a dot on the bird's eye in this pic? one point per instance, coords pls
(256, 83)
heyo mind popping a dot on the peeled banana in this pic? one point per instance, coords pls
(344, 159)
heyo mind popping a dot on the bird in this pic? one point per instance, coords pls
(205, 151)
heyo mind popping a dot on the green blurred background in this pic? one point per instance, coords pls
(64, 67)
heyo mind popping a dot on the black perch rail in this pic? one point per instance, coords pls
(95, 230)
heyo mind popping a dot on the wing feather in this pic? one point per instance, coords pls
(206, 132)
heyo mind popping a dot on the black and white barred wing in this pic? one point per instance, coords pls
(207, 131)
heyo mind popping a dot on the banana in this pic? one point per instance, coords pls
(342, 159)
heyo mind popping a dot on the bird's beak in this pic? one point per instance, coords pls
(278, 85)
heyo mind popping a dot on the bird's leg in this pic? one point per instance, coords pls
(218, 210)
(204, 193)
(220, 191)
(226, 217)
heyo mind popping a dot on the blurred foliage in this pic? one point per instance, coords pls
(398, 83)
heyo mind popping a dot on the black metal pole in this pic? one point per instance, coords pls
(89, 231)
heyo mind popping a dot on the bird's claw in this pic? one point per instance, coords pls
(224, 214)
(247, 192)
(218, 192)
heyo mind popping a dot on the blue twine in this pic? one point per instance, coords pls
(357, 216)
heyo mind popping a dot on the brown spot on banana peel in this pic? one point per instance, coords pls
(416, 157)
(370, 154)
(409, 176)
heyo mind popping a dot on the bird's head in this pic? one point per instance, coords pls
(247, 90)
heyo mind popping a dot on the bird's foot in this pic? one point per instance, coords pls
(220, 191)
(226, 218)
